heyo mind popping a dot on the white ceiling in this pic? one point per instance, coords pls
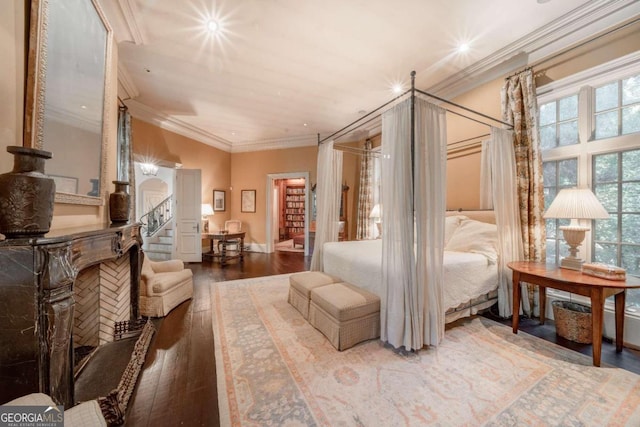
(278, 64)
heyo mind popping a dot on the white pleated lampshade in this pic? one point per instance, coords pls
(207, 209)
(576, 203)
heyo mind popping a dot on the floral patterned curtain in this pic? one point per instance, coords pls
(519, 107)
(365, 195)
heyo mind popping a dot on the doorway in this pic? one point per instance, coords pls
(288, 212)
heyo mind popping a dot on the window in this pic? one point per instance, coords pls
(617, 108)
(590, 136)
(616, 182)
(559, 122)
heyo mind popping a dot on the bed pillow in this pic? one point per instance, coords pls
(451, 224)
(475, 236)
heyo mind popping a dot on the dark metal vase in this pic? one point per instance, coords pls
(119, 203)
(26, 195)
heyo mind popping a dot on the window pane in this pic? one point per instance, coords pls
(568, 133)
(549, 195)
(607, 253)
(568, 173)
(631, 119)
(607, 125)
(606, 229)
(608, 196)
(547, 113)
(631, 90)
(633, 298)
(551, 251)
(606, 168)
(631, 228)
(549, 174)
(607, 97)
(631, 165)
(547, 137)
(631, 259)
(631, 197)
(550, 225)
(564, 249)
(568, 108)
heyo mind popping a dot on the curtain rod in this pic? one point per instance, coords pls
(579, 45)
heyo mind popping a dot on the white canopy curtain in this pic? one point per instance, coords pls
(412, 313)
(328, 194)
(499, 162)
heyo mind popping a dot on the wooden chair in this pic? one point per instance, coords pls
(231, 226)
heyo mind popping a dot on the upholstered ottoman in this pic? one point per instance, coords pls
(301, 285)
(345, 314)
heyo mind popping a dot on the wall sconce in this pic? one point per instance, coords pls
(575, 204)
(207, 211)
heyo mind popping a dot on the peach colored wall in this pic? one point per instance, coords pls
(249, 172)
(157, 144)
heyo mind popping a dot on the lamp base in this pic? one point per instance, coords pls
(572, 263)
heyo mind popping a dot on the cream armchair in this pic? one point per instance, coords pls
(164, 285)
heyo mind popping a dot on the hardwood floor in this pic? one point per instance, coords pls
(178, 382)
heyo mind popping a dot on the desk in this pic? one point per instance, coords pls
(225, 255)
(551, 276)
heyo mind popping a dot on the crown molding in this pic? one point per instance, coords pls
(559, 34)
(275, 143)
(122, 16)
(130, 11)
(126, 82)
(149, 115)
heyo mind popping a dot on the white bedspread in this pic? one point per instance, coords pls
(466, 275)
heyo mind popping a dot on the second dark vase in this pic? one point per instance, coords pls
(119, 203)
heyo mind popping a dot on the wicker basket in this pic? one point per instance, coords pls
(573, 321)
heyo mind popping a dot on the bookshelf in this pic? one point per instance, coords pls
(294, 210)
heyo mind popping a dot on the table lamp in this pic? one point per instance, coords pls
(575, 204)
(207, 211)
(376, 215)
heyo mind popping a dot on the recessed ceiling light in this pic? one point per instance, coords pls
(304, 124)
(543, 1)
(213, 26)
(397, 88)
(362, 112)
(463, 47)
(84, 107)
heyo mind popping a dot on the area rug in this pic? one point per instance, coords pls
(288, 246)
(275, 369)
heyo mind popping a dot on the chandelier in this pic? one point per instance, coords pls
(149, 169)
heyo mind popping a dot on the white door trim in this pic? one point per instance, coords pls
(270, 182)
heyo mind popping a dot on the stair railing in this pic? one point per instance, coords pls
(157, 216)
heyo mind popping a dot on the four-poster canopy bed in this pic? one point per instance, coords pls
(410, 268)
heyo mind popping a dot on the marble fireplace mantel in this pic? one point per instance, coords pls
(37, 279)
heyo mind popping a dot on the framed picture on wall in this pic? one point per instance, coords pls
(218, 201)
(248, 201)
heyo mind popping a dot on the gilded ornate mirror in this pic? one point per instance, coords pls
(69, 53)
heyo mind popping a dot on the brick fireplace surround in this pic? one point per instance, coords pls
(62, 290)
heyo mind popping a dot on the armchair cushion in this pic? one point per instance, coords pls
(164, 285)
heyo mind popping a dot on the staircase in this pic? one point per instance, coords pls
(159, 246)
(158, 229)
